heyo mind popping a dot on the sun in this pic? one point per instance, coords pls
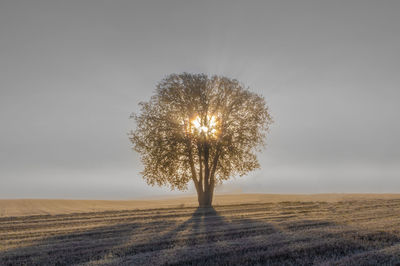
(208, 126)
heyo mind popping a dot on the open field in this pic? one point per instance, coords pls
(24, 207)
(244, 230)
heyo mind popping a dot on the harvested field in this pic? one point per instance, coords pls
(25, 207)
(356, 231)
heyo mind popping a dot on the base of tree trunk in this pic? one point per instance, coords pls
(205, 200)
(205, 206)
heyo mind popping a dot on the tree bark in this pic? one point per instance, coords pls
(207, 166)
(205, 198)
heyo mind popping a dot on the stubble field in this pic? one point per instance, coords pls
(281, 230)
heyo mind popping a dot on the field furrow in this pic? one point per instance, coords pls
(301, 233)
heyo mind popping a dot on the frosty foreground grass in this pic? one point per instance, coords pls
(342, 233)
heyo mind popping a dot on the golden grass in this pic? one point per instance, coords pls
(22, 207)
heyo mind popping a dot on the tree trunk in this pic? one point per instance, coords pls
(205, 198)
(205, 183)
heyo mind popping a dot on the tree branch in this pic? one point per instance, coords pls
(206, 167)
(192, 168)
(199, 149)
(214, 168)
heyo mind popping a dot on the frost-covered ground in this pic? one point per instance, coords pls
(349, 232)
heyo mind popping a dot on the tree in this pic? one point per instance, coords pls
(199, 128)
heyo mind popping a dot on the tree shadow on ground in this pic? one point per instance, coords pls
(246, 241)
(210, 237)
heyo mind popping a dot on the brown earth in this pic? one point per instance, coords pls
(335, 229)
(21, 207)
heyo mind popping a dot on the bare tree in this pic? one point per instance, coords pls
(199, 128)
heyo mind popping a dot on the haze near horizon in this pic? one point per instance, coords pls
(72, 73)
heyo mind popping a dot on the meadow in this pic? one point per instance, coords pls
(333, 229)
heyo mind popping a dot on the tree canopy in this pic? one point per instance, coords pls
(200, 128)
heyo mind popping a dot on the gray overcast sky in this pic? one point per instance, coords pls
(71, 72)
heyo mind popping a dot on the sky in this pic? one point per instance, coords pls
(72, 72)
